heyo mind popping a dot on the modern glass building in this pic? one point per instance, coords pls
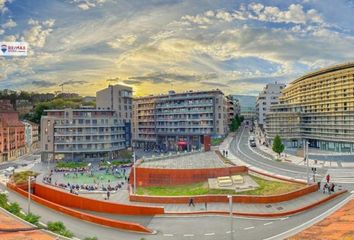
(318, 107)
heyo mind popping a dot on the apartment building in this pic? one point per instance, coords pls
(81, 134)
(179, 121)
(317, 107)
(12, 133)
(31, 135)
(233, 108)
(266, 98)
(118, 98)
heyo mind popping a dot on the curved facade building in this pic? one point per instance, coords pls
(318, 107)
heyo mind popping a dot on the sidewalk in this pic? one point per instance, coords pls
(286, 157)
(268, 208)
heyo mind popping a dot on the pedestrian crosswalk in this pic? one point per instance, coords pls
(340, 175)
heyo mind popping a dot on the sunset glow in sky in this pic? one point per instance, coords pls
(156, 45)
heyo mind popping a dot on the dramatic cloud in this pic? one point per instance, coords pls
(123, 41)
(73, 82)
(37, 35)
(255, 11)
(155, 45)
(42, 83)
(87, 4)
(3, 7)
(170, 77)
(9, 24)
(214, 84)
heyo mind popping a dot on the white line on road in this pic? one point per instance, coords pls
(248, 228)
(209, 234)
(312, 221)
(282, 219)
(188, 235)
(216, 215)
(268, 223)
(168, 235)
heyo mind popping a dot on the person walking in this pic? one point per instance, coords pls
(328, 178)
(325, 187)
(191, 202)
(332, 187)
(108, 195)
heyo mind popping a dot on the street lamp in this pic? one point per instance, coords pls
(306, 156)
(231, 217)
(134, 172)
(29, 194)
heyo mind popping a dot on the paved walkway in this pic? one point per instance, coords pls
(122, 197)
(338, 226)
(197, 160)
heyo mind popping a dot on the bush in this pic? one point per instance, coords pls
(90, 238)
(14, 208)
(32, 218)
(126, 154)
(71, 165)
(22, 177)
(3, 200)
(59, 228)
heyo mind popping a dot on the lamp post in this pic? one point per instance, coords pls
(134, 172)
(29, 194)
(306, 155)
(231, 217)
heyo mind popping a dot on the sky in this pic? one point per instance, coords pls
(158, 45)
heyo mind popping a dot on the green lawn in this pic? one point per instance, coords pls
(266, 187)
(216, 141)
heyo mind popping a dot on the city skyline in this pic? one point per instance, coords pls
(160, 45)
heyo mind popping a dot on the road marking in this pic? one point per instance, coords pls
(248, 228)
(168, 235)
(216, 215)
(268, 223)
(352, 191)
(282, 219)
(188, 235)
(312, 221)
(209, 234)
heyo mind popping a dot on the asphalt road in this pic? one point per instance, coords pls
(257, 158)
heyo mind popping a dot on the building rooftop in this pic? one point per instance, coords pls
(325, 70)
(8, 222)
(173, 93)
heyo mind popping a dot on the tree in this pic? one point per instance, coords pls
(278, 146)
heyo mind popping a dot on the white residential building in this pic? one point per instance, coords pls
(268, 97)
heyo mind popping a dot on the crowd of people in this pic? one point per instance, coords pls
(67, 169)
(97, 185)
